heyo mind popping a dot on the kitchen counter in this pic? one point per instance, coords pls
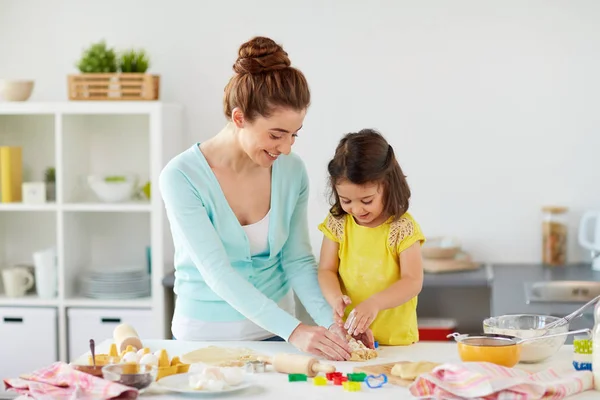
(480, 277)
(511, 283)
(273, 385)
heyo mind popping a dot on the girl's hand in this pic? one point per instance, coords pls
(340, 308)
(361, 318)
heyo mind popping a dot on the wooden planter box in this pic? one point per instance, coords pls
(117, 86)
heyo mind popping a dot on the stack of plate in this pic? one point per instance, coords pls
(116, 283)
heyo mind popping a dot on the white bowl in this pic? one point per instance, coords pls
(111, 191)
(16, 90)
(526, 326)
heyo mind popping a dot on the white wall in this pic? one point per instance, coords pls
(492, 106)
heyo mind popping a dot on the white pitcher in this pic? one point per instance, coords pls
(46, 274)
(591, 243)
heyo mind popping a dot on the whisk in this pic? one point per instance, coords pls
(566, 319)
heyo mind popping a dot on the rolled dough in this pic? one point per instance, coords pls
(220, 356)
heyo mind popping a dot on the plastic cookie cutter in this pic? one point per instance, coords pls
(254, 367)
(357, 377)
(351, 386)
(320, 381)
(297, 378)
(376, 381)
(331, 375)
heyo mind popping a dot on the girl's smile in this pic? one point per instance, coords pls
(363, 202)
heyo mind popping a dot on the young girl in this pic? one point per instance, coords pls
(370, 268)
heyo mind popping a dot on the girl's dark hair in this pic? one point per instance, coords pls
(264, 80)
(366, 157)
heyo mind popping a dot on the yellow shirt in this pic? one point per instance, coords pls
(370, 263)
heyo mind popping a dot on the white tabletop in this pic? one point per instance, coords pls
(272, 385)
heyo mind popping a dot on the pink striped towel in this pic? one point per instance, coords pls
(486, 381)
(61, 381)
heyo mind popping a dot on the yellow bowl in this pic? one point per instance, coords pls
(500, 350)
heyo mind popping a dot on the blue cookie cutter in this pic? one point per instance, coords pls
(378, 382)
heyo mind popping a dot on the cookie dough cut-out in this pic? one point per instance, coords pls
(360, 352)
(412, 370)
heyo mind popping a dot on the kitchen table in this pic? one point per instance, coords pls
(272, 385)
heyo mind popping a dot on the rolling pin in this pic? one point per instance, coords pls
(125, 335)
(297, 364)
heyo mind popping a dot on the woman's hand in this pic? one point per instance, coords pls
(361, 318)
(340, 308)
(320, 342)
(339, 330)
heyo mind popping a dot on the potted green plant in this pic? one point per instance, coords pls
(106, 74)
(50, 180)
(134, 61)
(98, 58)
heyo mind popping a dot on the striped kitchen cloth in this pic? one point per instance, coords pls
(486, 381)
(61, 381)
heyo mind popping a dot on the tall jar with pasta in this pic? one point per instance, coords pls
(554, 235)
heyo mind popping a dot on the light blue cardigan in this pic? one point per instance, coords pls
(216, 278)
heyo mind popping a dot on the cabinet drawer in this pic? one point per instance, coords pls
(28, 340)
(99, 323)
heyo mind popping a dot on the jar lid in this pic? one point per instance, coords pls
(555, 209)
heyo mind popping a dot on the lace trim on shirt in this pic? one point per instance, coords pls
(400, 230)
(336, 226)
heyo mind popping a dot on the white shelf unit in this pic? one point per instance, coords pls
(81, 139)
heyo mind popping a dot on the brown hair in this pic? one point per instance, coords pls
(366, 157)
(264, 80)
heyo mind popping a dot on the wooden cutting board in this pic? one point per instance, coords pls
(441, 266)
(385, 369)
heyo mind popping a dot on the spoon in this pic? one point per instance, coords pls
(586, 330)
(518, 340)
(93, 350)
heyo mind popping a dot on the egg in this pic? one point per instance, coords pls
(149, 359)
(130, 357)
(232, 375)
(215, 385)
(213, 373)
(142, 352)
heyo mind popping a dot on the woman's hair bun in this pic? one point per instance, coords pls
(260, 54)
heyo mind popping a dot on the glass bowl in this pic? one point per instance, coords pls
(496, 349)
(138, 376)
(526, 326)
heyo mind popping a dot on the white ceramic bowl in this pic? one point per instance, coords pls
(112, 190)
(16, 90)
(526, 326)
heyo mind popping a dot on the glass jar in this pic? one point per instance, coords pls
(554, 235)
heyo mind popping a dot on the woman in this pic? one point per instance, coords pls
(237, 209)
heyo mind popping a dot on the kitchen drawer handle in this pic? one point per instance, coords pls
(13, 319)
(111, 320)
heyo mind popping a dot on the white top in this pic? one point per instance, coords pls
(275, 386)
(191, 329)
